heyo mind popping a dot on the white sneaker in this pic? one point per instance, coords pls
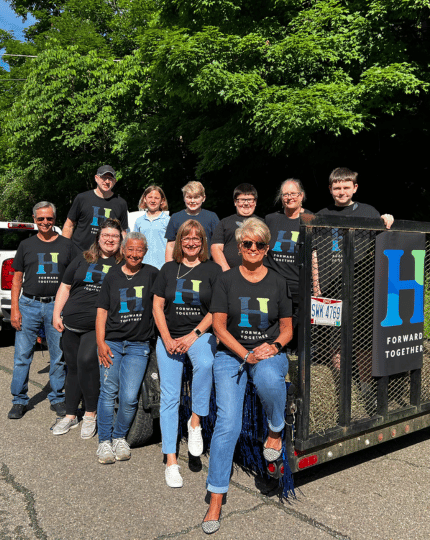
(65, 425)
(195, 440)
(89, 426)
(105, 453)
(173, 476)
(121, 449)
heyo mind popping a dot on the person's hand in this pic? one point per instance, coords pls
(184, 343)
(265, 350)
(57, 323)
(170, 345)
(105, 354)
(388, 220)
(16, 319)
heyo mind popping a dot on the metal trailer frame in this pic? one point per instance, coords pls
(305, 448)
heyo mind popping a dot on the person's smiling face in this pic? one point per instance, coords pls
(153, 201)
(245, 204)
(134, 252)
(105, 183)
(44, 219)
(253, 249)
(191, 244)
(193, 202)
(109, 241)
(342, 192)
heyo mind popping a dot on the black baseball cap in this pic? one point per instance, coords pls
(106, 169)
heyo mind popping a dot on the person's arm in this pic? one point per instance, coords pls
(315, 275)
(217, 252)
(68, 227)
(388, 220)
(169, 251)
(60, 301)
(104, 352)
(267, 350)
(160, 321)
(219, 325)
(184, 342)
(15, 314)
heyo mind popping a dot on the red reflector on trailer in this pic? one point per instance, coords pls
(282, 470)
(308, 461)
(271, 468)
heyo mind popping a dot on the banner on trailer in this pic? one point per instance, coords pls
(398, 317)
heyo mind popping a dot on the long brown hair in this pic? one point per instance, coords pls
(163, 204)
(184, 229)
(94, 252)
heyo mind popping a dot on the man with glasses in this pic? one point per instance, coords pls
(39, 265)
(224, 246)
(92, 207)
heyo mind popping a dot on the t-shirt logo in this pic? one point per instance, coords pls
(92, 271)
(336, 238)
(53, 263)
(245, 312)
(281, 240)
(194, 291)
(97, 216)
(128, 301)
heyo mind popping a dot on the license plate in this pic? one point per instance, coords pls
(326, 311)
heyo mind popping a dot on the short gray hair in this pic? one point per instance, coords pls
(253, 227)
(134, 236)
(44, 204)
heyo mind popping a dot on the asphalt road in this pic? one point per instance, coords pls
(54, 488)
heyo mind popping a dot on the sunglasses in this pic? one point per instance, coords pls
(40, 219)
(247, 244)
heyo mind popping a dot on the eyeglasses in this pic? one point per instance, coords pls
(245, 201)
(40, 219)
(193, 240)
(112, 236)
(247, 244)
(291, 195)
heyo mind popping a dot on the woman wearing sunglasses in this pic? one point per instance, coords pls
(182, 296)
(251, 309)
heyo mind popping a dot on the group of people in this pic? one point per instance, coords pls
(224, 293)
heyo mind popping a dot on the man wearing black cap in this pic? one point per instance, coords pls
(92, 207)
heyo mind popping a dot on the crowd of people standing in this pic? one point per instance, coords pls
(222, 293)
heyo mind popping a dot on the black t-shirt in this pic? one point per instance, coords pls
(253, 309)
(225, 234)
(188, 298)
(88, 211)
(281, 256)
(330, 247)
(43, 264)
(128, 303)
(86, 281)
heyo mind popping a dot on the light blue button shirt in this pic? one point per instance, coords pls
(154, 232)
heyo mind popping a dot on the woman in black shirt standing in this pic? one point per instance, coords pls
(76, 302)
(182, 295)
(124, 326)
(251, 309)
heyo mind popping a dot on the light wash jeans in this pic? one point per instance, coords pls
(34, 314)
(122, 379)
(201, 353)
(268, 377)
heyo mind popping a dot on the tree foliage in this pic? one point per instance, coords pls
(208, 88)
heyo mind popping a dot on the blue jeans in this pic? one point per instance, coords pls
(34, 314)
(201, 353)
(123, 380)
(268, 377)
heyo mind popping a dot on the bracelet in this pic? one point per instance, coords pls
(244, 360)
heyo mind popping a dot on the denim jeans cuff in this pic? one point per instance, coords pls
(276, 429)
(214, 489)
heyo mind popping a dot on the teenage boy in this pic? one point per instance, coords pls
(194, 197)
(224, 246)
(92, 207)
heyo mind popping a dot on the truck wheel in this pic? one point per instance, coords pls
(142, 427)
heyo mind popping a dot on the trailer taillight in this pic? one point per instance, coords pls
(7, 274)
(308, 461)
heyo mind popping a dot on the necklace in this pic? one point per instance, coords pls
(130, 276)
(179, 269)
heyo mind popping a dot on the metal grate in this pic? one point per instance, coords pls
(425, 372)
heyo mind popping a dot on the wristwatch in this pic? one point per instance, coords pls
(197, 332)
(277, 345)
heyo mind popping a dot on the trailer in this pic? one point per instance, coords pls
(359, 376)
